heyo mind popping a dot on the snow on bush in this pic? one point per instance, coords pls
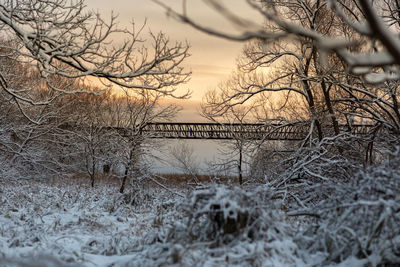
(228, 225)
(219, 215)
(359, 219)
(351, 222)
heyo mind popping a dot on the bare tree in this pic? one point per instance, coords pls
(184, 159)
(63, 38)
(52, 49)
(292, 73)
(239, 147)
(339, 54)
(92, 137)
(29, 137)
(140, 108)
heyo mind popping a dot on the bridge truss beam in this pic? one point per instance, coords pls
(179, 130)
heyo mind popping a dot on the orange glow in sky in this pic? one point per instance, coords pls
(212, 59)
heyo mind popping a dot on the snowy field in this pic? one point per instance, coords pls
(73, 223)
(68, 223)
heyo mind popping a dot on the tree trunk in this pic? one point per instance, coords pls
(240, 167)
(310, 97)
(93, 167)
(121, 190)
(127, 169)
(328, 103)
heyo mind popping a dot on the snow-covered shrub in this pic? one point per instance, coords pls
(335, 158)
(357, 219)
(220, 215)
(301, 174)
(221, 225)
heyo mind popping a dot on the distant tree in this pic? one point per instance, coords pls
(90, 130)
(184, 159)
(288, 74)
(239, 146)
(28, 134)
(49, 49)
(140, 108)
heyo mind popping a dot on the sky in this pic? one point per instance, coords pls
(212, 59)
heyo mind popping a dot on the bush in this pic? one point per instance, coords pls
(228, 225)
(357, 219)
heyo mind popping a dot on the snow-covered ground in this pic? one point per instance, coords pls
(71, 222)
(68, 223)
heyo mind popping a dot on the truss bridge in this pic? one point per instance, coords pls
(290, 131)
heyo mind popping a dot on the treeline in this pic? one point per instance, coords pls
(53, 133)
(58, 66)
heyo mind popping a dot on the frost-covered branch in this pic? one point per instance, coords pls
(63, 38)
(362, 17)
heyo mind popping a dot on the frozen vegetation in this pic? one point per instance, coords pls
(68, 223)
(331, 199)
